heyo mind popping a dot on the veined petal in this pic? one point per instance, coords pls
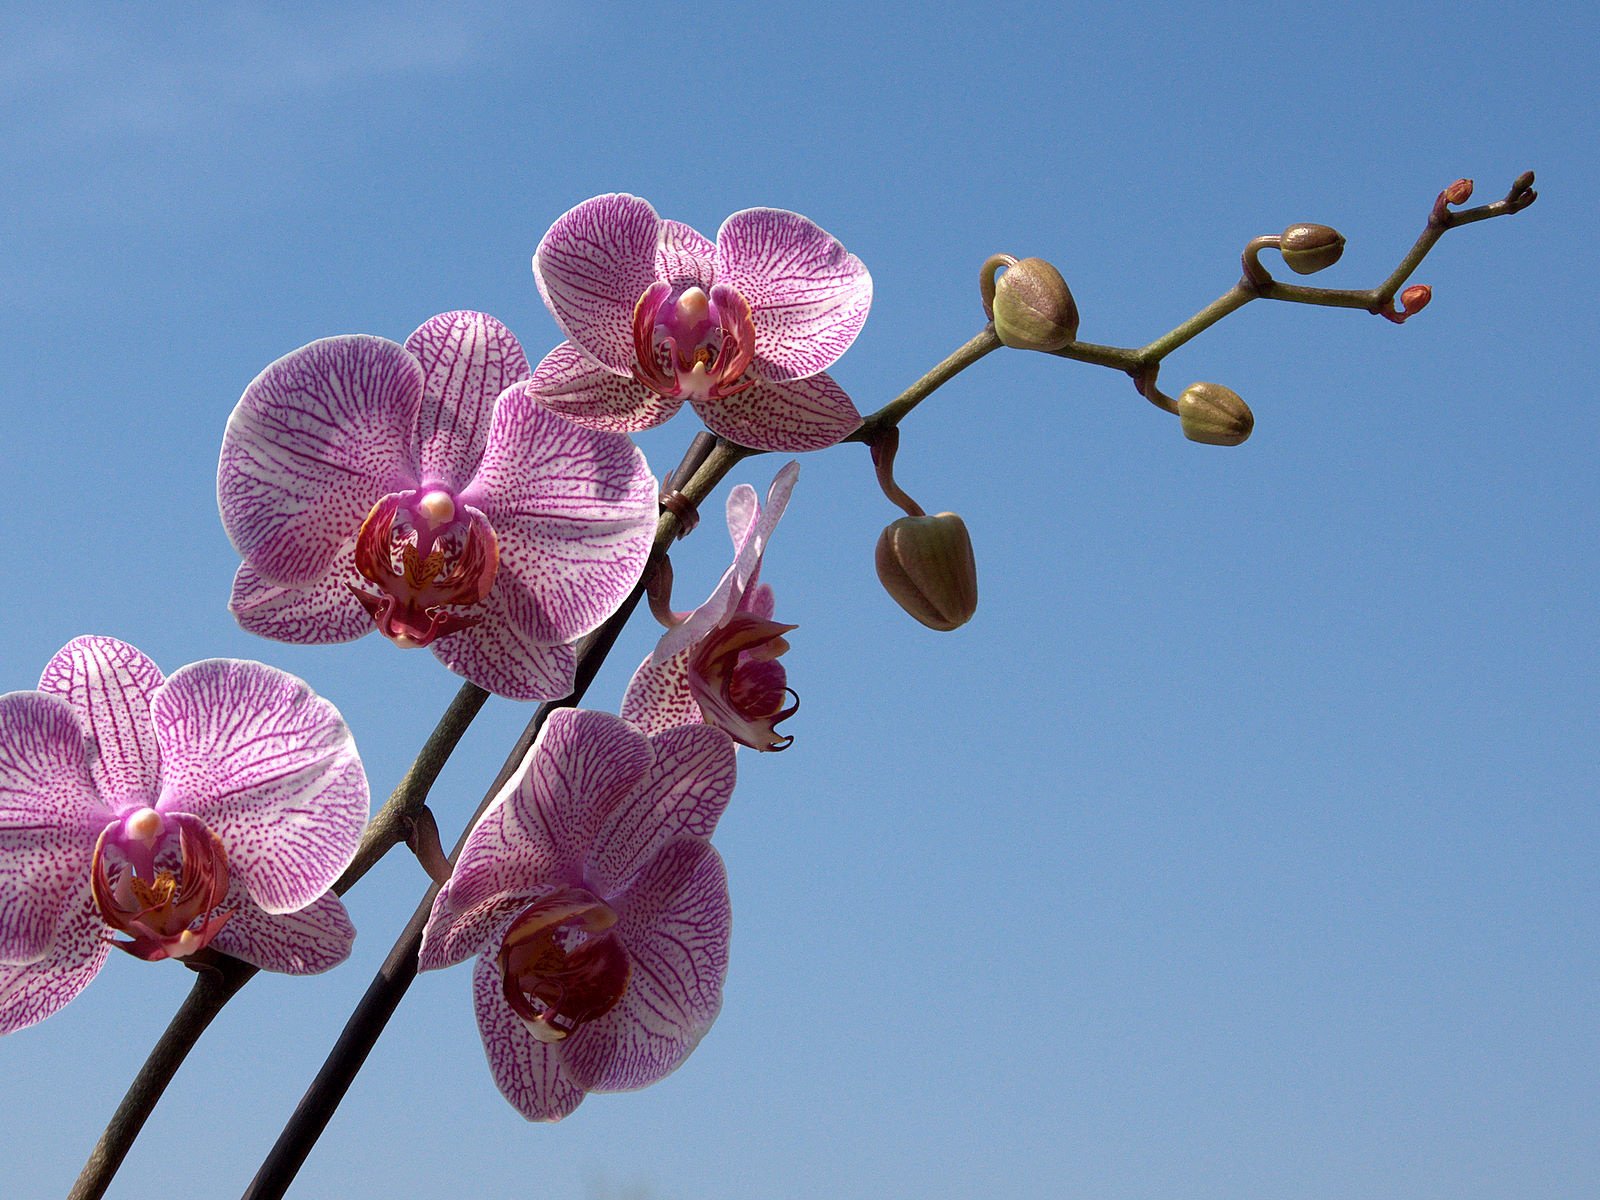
(503, 653)
(803, 414)
(808, 296)
(50, 816)
(306, 942)
(675, 923)
(316, 440)
(321, 613)
(528, 1072)
(455, 933)
(685, 257)
(592, 267)
(658, 696)
(468, 359)
(30, 992)
(571, 384)
(271, 768)
(684, 793)
(574, 511)
(109, 684)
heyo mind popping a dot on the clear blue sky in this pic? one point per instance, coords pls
(1244, 845)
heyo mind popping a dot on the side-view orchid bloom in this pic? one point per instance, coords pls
(718, 664)
(597, 908)
(212, 808)
(743, 328)
(420, 489)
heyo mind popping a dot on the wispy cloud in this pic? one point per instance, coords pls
(168, 68)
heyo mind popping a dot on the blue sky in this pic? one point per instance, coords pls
(1242, 846)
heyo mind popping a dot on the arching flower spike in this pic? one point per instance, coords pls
(742, 329)
(718, 664)
(213, 808)
(419, 489)
(597, 908)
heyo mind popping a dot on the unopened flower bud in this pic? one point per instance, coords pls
(1307, 249)
(1215, 415)
(1033, 307)
(926, 564)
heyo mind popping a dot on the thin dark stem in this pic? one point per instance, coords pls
(371, 1015)
(214, 987)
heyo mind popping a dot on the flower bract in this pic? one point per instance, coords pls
(213, 808)
(597, 908)
(419, 490)
(718, 664)
(742, 328)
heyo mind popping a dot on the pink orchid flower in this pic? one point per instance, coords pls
(718, 664)
(743, 329)
(212, 808)
(597, 908)
(420, 489)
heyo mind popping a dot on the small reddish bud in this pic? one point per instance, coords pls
(1412, 301)
(926, 565)
(1214, 415)
(1307, 249)
(1458, 192)
(1032, 306)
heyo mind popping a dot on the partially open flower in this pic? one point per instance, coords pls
(597, 908)
(1215, 415)
(213, 808)
(926, 565)
(719, 663)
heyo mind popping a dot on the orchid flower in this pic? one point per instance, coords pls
(419, 489)
(743, 329)
(213, 808)
(597, 908)
(718, 664)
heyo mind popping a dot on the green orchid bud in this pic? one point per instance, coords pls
(1215, 415)
(1307, 249)
(926, 564)
(1033, 308)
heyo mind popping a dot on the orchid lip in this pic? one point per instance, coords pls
(426, 553)
(689, 344)
(560, 966)
(170, 909)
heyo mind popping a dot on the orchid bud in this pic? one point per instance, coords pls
(1307, 249)
(1215, 415)
(1033, 307)
(926, 564)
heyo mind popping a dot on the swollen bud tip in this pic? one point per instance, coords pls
(1214, 415)
(926, 565)
(1033, 307)
(1307, 248)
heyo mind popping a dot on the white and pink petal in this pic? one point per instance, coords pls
(50, 817)
(573, 386)
(675, 923)
(685, 257)
(320, 613)
(30, 992)
(658, 696)
(802, 414)
(109, 684)
(315, 441)
(467, 359)
(271, 768)
(574, 510)
(313, 939)
(504, 653)
(684, 793)
(592, 267)
(808, 296)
